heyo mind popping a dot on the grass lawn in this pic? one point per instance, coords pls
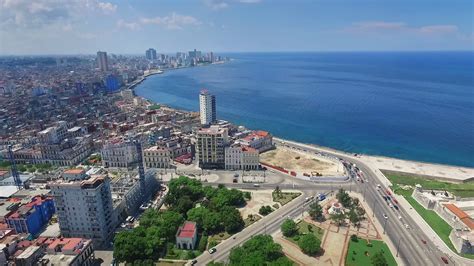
(461, 190)
(217, 238)
(307, 228)
(285, 197)
(440, 226)
(166, 263)
(181, 254)
(359, 253)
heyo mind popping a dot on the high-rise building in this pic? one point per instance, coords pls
(84, 209)
(102, 61)
(207, 107)
(151, 54)
(210, 147)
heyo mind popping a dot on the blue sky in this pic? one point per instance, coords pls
(85, 26)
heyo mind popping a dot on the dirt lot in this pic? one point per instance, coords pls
(300, 162)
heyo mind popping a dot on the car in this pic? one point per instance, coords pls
(385, 216)
(236, 175)
(445, 260)
(399, 217)
(193, 262)
(256, 185)
(379, 186)
(212, 250)
(390, 205)
(407, 226)
(423, 241)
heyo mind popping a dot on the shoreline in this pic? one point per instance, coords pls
(447, 172)
(162, 71)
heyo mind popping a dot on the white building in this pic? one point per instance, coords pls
(207, 107)
(119, 153)
(260, 140)
(239, 157)
(157, 157)
(210, 147)
(84, 209)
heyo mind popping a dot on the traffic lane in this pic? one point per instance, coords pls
(392, 228)
(223, 249)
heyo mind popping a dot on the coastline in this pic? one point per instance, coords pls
(161, 71)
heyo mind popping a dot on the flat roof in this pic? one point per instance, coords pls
(7, 191)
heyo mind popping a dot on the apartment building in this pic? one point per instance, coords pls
(210, 147)
(84, 209)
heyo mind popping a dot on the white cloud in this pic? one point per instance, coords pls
(438, 29)
(107, 8)
(250, 1)
(174, 21)
(128, 25)
(216, 4)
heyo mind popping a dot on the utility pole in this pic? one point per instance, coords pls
(398, 246)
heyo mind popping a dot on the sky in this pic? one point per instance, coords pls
(132, 26)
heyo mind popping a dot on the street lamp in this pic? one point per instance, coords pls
(398, 246)
(385, 224)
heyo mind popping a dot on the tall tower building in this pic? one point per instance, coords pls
(210, 147)
(85, 209)
(207, 107)
(102, 61)
(151, 54)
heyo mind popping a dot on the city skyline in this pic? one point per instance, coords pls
(131, 27)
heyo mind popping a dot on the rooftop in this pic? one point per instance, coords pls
(75, 171)
(463, 216)
(187, 230)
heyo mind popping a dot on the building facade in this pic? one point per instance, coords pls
(119, 153)
(157, 157)
(33, 216)
(102, 61)
(210, 147)
(259, 140)
(84, 209)
(207, 108)
(239, 157)
(151, 54)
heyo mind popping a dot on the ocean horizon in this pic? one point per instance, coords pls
(409, 105)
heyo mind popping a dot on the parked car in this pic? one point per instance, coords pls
(212, 250)
(193, 262)
(445, 260)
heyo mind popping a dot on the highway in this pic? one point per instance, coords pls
(412, 245)
(410, 242)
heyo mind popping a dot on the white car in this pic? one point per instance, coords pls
(385, 216)
(212, 250)
(407, 226)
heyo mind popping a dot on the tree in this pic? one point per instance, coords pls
(231, 219)
(212, 223)
(265, 210)
(354, 217)
(316, 211)
(198, 215)
(344, 198)
(309, 244)
(338, 218)
(183, 205)
(169, 223)
(277, 192)
(289, 228)
(378, 259)
(259, 250)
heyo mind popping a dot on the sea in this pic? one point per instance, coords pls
(409, 105)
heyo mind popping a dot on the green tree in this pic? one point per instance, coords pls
(309, 244)
(378, 259)
(344, 198)
(259, 250)
(231, 219)
(338, 218)
(169, 223)
(354, 217)
(265, 210)
(289, 228)
(183, 205)
(212, 223)
(316, 211)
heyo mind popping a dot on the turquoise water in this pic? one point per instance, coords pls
(416, 106)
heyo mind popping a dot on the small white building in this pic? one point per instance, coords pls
(157, 157)
(186, 237)
(238, 157)
(119, 153)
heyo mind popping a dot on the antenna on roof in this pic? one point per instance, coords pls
(16, 176)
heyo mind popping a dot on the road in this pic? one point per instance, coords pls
(412, 249)
(267, 225)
